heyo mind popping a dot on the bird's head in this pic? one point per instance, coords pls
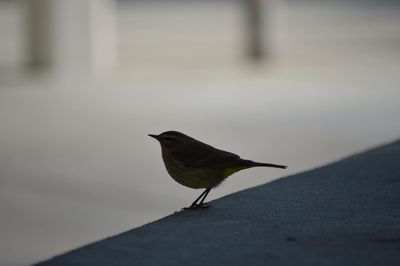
(170, 139)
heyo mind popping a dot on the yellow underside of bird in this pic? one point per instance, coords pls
(198, 177)
(231, 170)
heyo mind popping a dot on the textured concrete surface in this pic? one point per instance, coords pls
(346, 213)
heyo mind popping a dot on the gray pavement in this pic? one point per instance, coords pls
(345, 213)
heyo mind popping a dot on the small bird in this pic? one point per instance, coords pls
(196, 165)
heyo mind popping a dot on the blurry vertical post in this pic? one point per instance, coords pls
(73, 36)
(40, 43)
(254, 29)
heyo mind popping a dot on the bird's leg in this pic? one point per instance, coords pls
(205, 195)
(202, 197)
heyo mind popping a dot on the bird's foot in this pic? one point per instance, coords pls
(197, 206)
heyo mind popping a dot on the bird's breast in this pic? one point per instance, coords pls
(193, 177)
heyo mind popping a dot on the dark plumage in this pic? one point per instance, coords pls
(195, 164)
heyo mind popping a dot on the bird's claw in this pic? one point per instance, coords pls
(197, 206)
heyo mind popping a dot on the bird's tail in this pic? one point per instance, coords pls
(256, 164)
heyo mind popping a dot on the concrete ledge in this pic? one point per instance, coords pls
(346, 213)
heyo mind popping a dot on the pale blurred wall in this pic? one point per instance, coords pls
(77, 37)
(82, 36)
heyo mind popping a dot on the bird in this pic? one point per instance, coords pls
(197, 165)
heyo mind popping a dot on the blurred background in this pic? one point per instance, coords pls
(82, 83)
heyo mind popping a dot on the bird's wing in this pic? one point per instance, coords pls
(198, 154)
(222, 159)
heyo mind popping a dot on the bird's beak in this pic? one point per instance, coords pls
(154, 136)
